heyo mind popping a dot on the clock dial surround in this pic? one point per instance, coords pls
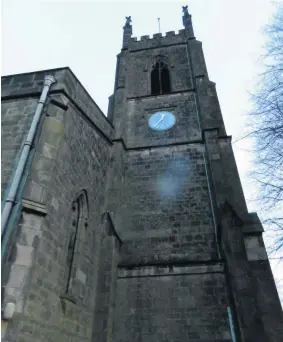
(162, 121)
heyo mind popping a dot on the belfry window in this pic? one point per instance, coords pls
(160, 79)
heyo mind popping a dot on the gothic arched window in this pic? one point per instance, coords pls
(160, 78)
(79, 218)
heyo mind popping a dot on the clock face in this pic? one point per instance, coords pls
(161, 121)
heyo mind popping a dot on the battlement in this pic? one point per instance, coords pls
(158, 35)
(157, 39)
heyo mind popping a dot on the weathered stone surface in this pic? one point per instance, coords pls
(71, 154)
(16, 117)
(177, 307)
(255, 248)
(122, 233)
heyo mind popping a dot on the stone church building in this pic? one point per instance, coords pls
(130, 227)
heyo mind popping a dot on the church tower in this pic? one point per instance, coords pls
(131, 227)
(193, 266)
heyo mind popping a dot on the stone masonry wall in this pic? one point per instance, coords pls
(116, 179)
(71, 155)
(106, 283)
(139, 66)
(16, 117)
(177, 304)
(186, 128)
(166, 214)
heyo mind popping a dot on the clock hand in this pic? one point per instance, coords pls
(162, 118)
(159, 120)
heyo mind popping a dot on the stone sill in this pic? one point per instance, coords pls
(29, 205)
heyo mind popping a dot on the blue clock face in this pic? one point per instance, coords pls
(162, 121)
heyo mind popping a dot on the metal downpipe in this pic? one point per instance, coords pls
(11, 198)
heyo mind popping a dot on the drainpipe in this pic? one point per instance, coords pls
(11, 198)
(231, 323)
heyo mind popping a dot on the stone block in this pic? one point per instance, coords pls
(255, 248)
(24, 255)
(42, 169)
(81, 276)
(31, 220)
(34, 191)
(52, 131)
(48, 150)
(17, 276)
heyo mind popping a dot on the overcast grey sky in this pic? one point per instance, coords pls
(87, 36)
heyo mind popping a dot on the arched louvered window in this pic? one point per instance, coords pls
(160, 78)
(79, 218)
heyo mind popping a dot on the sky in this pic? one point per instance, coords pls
(87, 36)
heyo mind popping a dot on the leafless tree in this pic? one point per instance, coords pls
(266, 128)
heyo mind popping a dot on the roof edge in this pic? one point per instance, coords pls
(54, 70)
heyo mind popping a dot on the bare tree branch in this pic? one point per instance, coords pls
(266, 130)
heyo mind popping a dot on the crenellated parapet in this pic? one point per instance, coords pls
(170, 38)
(148, 42)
